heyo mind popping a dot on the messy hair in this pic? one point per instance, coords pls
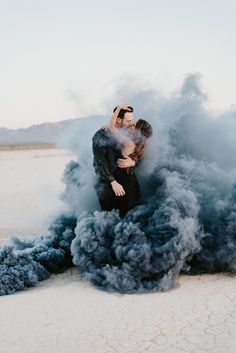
(122, 112)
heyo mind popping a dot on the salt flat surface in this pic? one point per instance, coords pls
(65, 314)
(30, 188)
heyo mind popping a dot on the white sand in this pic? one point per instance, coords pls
(30, 185)
(65, 314)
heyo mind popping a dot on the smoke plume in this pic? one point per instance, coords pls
(186, 222)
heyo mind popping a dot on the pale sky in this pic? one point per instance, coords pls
(61, 59)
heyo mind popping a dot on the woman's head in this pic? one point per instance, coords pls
(142, 131)
(144, 127)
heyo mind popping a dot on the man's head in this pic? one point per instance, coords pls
(125, 117)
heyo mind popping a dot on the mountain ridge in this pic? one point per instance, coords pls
(44, 133)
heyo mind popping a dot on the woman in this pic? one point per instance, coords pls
(132, 143)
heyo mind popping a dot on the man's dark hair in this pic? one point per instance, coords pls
(122, 112)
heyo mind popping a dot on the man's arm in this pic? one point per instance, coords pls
(103, 169)
(101, 163)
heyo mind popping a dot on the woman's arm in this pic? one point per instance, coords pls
(112, 123)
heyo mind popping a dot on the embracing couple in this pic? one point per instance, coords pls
(117, 148)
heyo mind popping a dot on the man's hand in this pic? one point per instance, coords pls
(125, 162)
(117, 188)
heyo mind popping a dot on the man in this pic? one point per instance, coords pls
(107, 159)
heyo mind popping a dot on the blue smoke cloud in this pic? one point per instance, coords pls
(186, 222)
(25, 262)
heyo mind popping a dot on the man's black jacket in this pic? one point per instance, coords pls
(106, 151)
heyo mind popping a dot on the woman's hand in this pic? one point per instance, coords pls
(124, 106)
(117, 188)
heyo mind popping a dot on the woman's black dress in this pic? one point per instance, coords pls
(132, 190)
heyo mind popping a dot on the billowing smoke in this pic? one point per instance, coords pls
(185, 223)
(25, 262)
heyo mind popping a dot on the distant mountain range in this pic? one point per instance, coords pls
(47, 133)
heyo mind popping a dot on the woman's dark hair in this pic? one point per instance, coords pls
(144, 127)
(122, 112)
